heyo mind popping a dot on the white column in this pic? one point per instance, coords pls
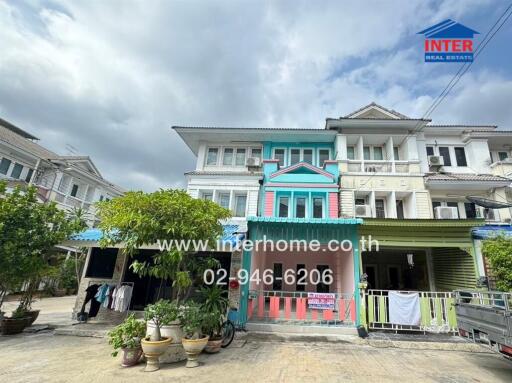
(479, 258)
(372, 204)
(201, 153)
(341, 147)
(391, 205)
(422, 152)
(359, 151)
(430, 269)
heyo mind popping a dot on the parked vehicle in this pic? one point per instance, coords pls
(486, 317)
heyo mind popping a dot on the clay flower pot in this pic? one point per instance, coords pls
(131, 356)
(152, 351)
(13, 326)
(213, 346)
(193, 348)
(32, 316)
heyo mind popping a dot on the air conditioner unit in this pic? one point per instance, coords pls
(435, 161)
(363, 211)
(446, 212)
(253, 162)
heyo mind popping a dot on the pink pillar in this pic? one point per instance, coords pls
(269, 204)
(333, 205)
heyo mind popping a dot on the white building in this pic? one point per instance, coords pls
(71, 181)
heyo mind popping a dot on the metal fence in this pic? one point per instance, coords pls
(292, 307)
(437, 312)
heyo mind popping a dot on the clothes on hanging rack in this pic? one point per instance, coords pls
(90, 293)
(101, 295)
(123, 296)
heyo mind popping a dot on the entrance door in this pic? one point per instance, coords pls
(371, 272)
(322, 287)
(301, 277)
(394, 277)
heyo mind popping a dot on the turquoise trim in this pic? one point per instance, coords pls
(244, 291)
(333, 221)
(357, 276)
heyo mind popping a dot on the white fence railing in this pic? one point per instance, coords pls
(437, 312)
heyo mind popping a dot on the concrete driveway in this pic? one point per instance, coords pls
(53, 358)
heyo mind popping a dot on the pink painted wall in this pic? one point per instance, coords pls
(333, 205)
(341, 263)
(269, 204)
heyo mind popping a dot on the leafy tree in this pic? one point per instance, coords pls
(28, 231)
(137, 219)
(498, 251)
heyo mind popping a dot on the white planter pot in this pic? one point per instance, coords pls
(193, 348)
(175, 352)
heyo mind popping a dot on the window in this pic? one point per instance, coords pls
(323, 155)
(16, 171)
(28, 177)
(351, 153)
(453, 204)
(283, 207)
(460, 157)
(434, 205)
(74, 190)
(377, 153)
(430, 150)
(279, 155)
(224, 200)
(470, 209)
(445, 153)
(300, 207)
(322, 287)
(502, 156)
(308, 156)
(240, 157)
(360, 201)
(396, 153)
(4, 165)
(294, 156)
(211, 158)
(318, 208)
(380, 212)
(366, 152)
(207, 196)
(102, 263)
(227, 159)
(399, 209)
(256, 152)
(240, 204)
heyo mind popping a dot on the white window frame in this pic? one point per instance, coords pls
(203, 193)
(224, 192)
(285, 157)
(318, 156)
(246, 149)
(232, 155)
(219, 151)
(279, 204)
(313, 198)
(239, 194)
(355, 152)
(258, 148)
(301, 155)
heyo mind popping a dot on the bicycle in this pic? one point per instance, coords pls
(229, 328)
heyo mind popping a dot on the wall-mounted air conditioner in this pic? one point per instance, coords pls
(253, 162)
(446, 212)
(435, 161)
(363, 211)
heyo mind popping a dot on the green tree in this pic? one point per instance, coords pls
(28, 231)
(137, 219)
(498, 251)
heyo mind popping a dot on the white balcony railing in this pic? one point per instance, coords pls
(374, 166)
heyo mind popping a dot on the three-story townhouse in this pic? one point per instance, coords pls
(72, 182)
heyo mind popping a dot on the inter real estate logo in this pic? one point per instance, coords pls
(448, 41)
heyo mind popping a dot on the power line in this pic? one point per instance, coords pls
(455, 79)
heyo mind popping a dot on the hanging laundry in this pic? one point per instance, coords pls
(91, 291)
(404, 308)
(123, 298)
(108, 299)
(102, 293)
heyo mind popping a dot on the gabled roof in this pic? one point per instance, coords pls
(301, 166)
(448, 29)
(83, 162)
(374, 110)
(14, 138)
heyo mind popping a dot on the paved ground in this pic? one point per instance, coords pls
(53, 358)
(45, 357)
(56, 311)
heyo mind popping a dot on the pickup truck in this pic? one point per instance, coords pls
(486, 317)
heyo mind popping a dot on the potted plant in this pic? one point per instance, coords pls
(214, 306)
(127, 337)
(155, 345)
(192, 320)
(16, 323)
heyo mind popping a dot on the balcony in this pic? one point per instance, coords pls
(381, 166)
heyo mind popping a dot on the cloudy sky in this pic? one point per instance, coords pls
(111, 77)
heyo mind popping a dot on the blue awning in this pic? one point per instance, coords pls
(231, 235)
(491, 231)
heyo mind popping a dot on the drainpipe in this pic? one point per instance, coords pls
(38, 163)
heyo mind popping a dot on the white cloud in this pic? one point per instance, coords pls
(111, 79)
